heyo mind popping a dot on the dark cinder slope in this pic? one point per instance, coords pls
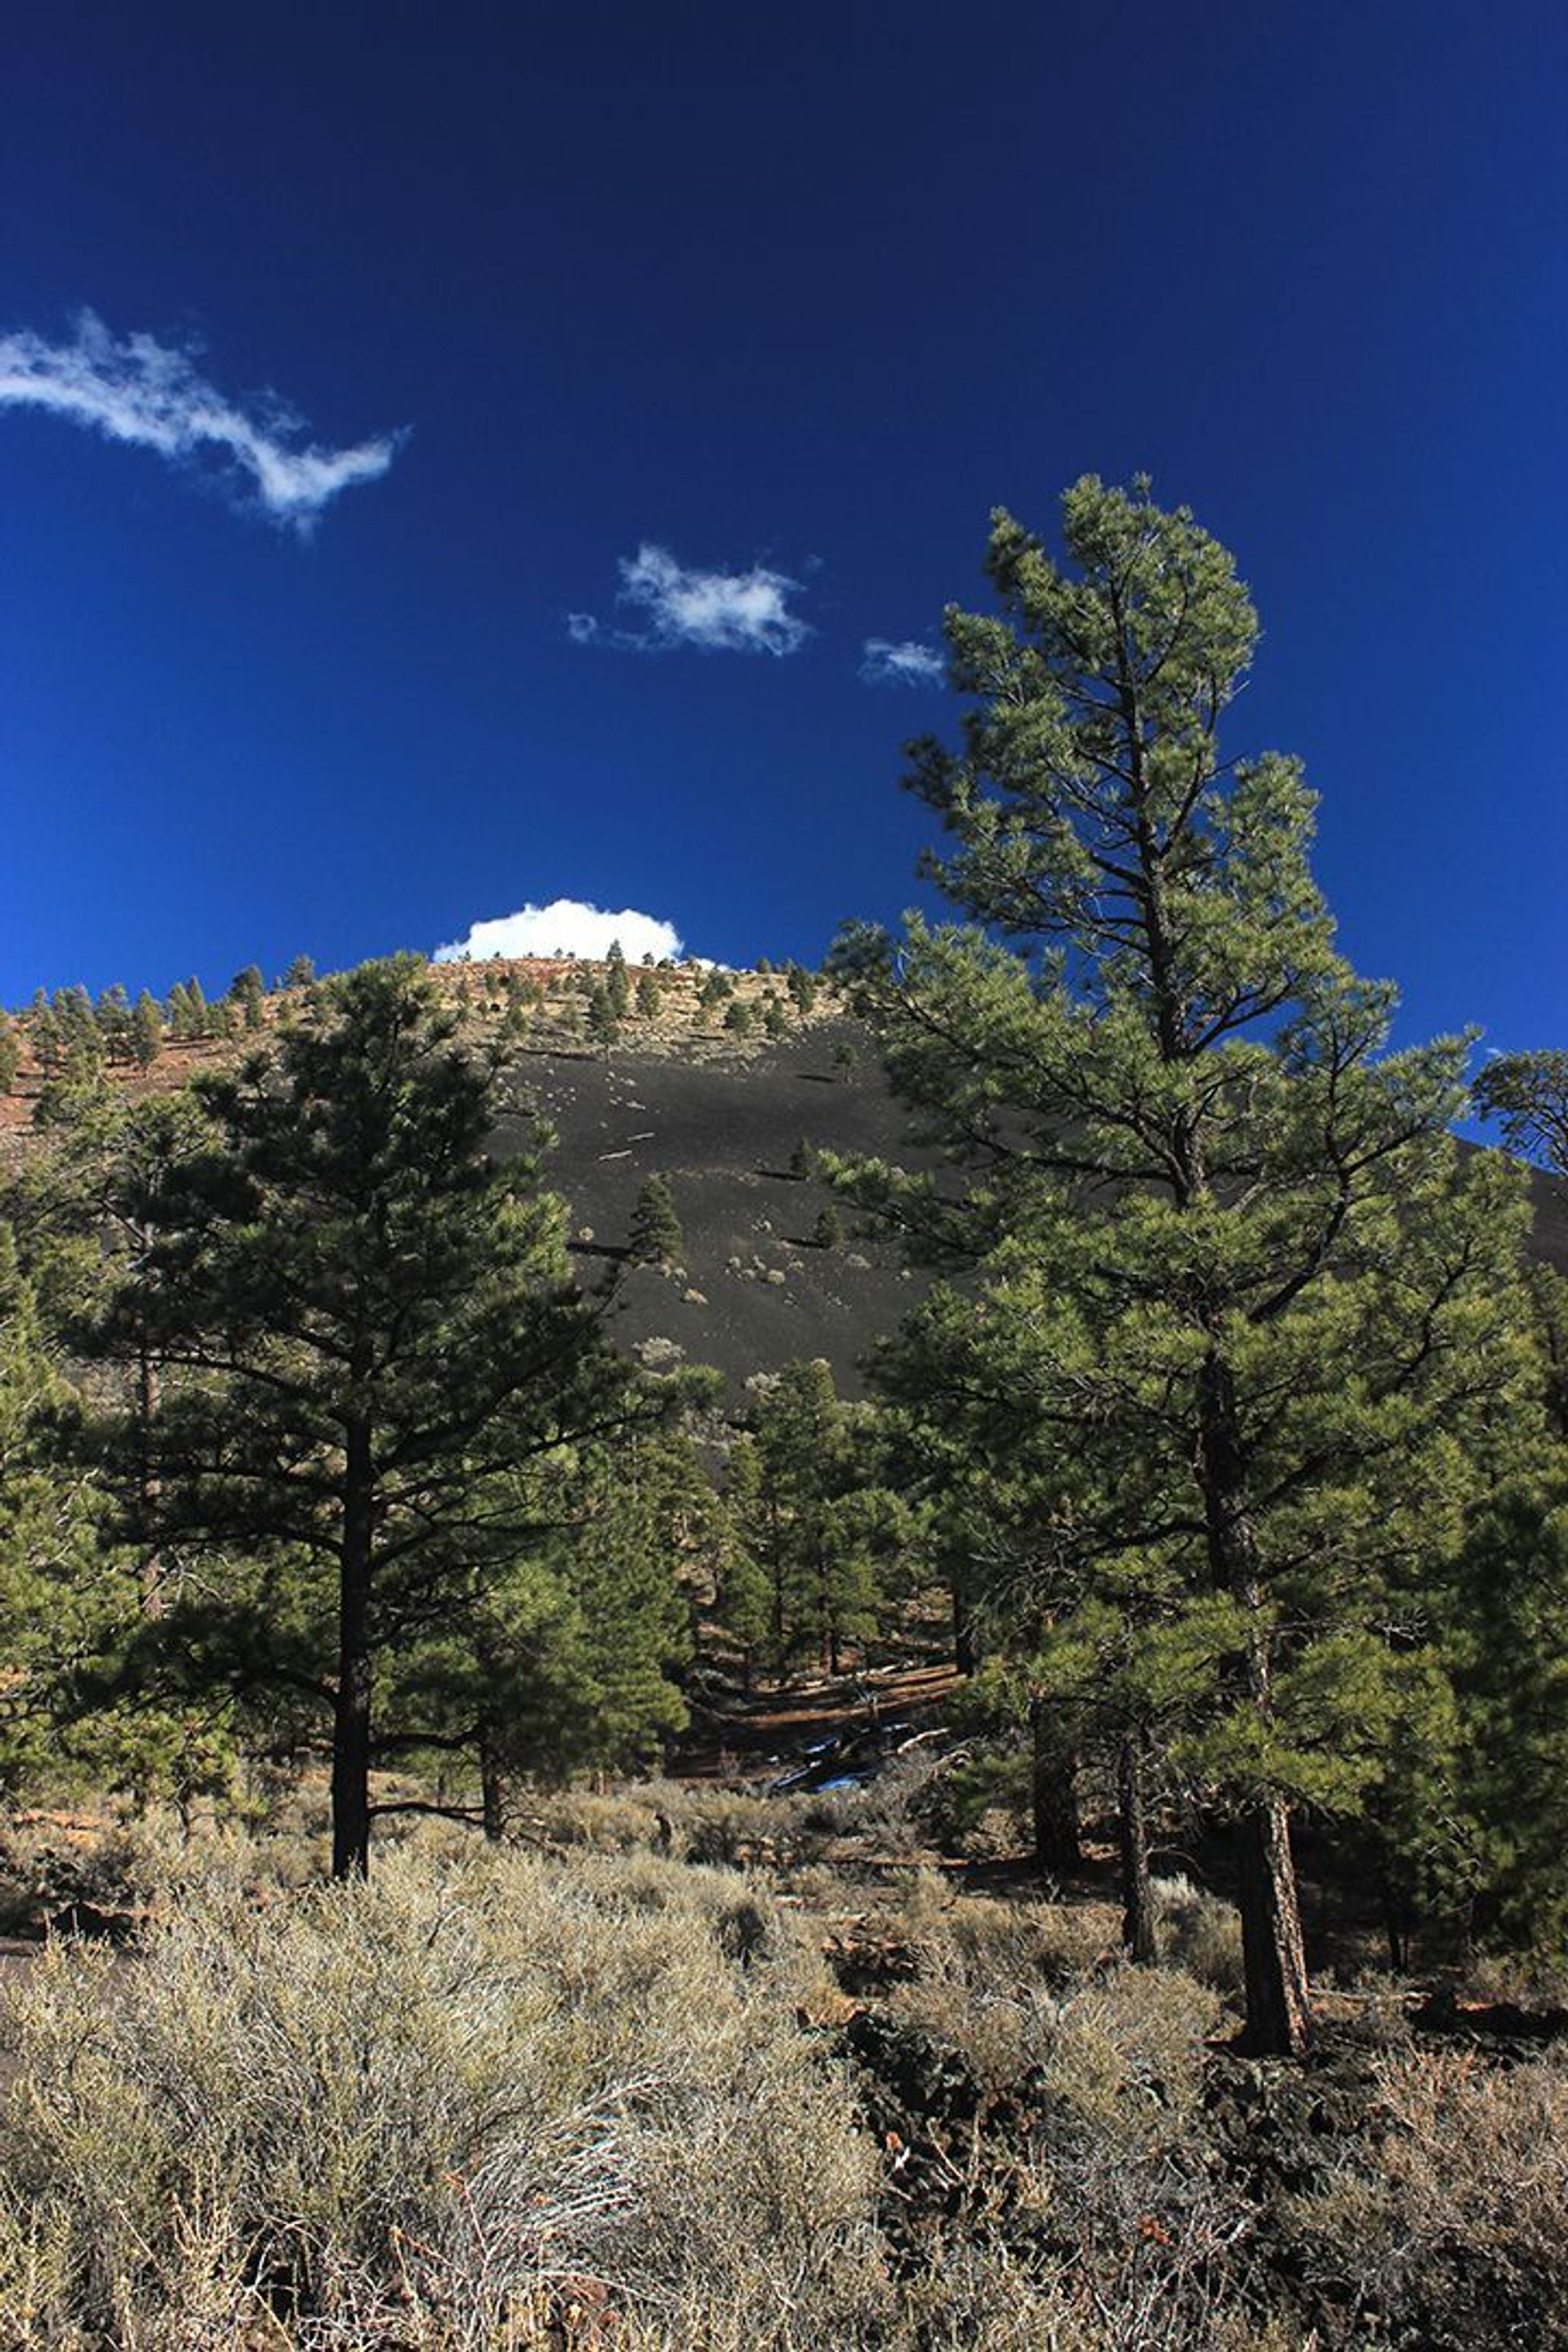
(751, 1292)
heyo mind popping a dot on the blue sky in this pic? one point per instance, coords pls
(646, 364)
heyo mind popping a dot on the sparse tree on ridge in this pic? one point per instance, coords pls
(112, 1014)
(617, 981)
(146, 1030)
(1237, 1296)
(802, 987)
(247, 992)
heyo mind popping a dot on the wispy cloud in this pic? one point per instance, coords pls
(906, 662)
(566, 927)
(151, 395)
(717, 612)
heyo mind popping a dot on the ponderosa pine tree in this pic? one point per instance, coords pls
(146, 1031)
(802, 987)
(1238, 1303)
(566, 1657)
(48, 1538)
(604, 1024)
(112, 1014)
(655, 1237)
(617, 981)
(364, 1332)
(247, 992)
(812, 1514)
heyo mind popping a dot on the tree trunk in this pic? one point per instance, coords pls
(492, 1794)
(351, 1721)
(1274, 1957)
(149, 1564)
(1279, 1999)
(1137, 1894)
(965, 1654)
(1057, 1847)
(1396, 1928)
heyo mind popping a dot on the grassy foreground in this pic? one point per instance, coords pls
(625, 2098)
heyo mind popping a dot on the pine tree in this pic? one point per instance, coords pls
(815, 1521)
(1238, 1303)
(247, 991)
(802, 987)
(648, 996)
(301, 974)
(70, 1601)
(48, 1540)
(365, 1338)
(81, 1039)
(617, 981)
(146, 1031)
(10, 1055)
(604, 1025)
(112, 1014)
(827, 1232)
(655, 1237)
(1527, 1094)
(565, 1658)
(744, 1602)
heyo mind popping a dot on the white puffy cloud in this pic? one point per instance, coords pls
(149, 394)
(717, 612)
(906, 662)
(566, 927)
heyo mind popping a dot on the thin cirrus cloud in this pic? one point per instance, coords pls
(716, 612)
(905, 662)
(152, 395)
(566, 927)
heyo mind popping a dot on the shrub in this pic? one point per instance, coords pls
(1199, 1933)
(1451, 2214)
(418, 2111)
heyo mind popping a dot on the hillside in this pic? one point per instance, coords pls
(722, 1113)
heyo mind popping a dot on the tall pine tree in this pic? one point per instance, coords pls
(1237, 1301)
(362, 1331)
